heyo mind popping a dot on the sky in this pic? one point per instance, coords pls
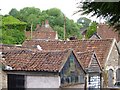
(68, 7)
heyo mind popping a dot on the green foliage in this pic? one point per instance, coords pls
(14, 12)
(9, 22)
(91, 29)
(54, 12)
(60, 31)
(12, 36)
(84, 22)
(33, 16)
(108, 10)
(12, 30)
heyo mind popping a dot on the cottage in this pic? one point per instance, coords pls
(43, 32)
(44, 69)
(106, 50)
(92, 66)
(104, 31)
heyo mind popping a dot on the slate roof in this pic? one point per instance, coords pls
(105, 32)
(25, 60)
(101, 47)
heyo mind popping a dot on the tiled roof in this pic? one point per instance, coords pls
(105, 31)
(41, 35)
(26, 60)
(85, 58)
(101, 47)
(43, 32)
(5, 47)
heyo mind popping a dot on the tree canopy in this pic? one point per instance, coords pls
(33, 16)
(108, 10)
(12, 30)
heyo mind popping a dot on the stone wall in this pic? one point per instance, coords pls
(3, 76)
(112, 63)
(4, 79)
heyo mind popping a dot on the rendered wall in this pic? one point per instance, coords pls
(42, 81)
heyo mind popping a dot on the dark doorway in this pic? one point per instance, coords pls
(16, 82)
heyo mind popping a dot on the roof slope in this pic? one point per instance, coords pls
(25, 60)
(105, 32)
(85, 58)
(101, 47)
(6, 47)
(43, 32)
(89, 61)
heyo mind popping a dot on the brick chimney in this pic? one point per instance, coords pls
(37, 26)
(42, 23)
(46, 23)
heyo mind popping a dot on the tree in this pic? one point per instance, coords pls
(12, 30)
(14, 12)
(60, 31)
(33, 16)
(29, 15)
(108, 10)
(12, 36)
(84, 21)
(9, 22)
(54, 12)
(91, 29)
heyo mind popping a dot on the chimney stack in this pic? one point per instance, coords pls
(46, 23)
(42, 23)
(37, 26)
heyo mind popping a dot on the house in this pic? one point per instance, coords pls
(43, 69)
(106, 50)
(93, 68)
(43, 32)
(104, 31)
(95, 36)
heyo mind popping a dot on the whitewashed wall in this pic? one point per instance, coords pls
(42, 81)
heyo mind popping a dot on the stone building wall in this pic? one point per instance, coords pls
(3, 76)
(112, 63)
(4, 79)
